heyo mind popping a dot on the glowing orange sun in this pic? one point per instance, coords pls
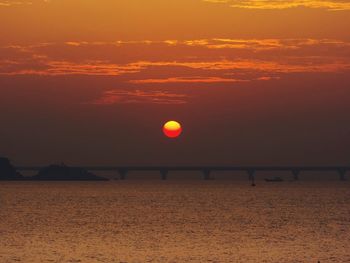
(172, 129)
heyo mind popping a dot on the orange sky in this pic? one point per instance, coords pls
(92, 81)
(110, 20)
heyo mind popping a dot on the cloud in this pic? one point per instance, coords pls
(331, 5)
(149, 70)
(119, 96)
(220, 43)
(292, 66)
(59, 68)
(100, 68)
(284, 4)
(14, 3)
(187, 80)
(257, 45)
(172, 61)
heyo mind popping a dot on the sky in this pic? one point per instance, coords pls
(91, 82)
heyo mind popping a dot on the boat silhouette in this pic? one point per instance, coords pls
(274, 179)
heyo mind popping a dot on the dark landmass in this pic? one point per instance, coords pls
(7, 171)
(49, 173)
(66, 173)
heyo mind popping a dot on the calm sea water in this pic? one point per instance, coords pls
(174, 221)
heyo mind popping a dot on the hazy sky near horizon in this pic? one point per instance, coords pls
(252, 82)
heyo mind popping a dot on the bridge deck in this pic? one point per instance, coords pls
(206, 170)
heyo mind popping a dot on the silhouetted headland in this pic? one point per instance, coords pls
(55, 172)
(8, 171)
(65, 173)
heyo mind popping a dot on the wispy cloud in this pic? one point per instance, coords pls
(119, 96)
(220, 43)
(59, 68)
(187, 80)
(150, 70)
(285, 4)
(294, 65)
(190, 61)
(263, 44)
(332, 5)
(14, 3)
(100, 68)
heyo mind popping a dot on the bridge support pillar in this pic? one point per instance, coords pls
(123, 173)
(164, 174)
(251, 174)
(296, 174)
(206, 174)
(342, 173)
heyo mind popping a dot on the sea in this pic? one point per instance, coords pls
(177, 220)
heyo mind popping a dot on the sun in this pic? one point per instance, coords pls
(172, 129)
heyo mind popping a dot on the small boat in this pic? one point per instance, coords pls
(274, 179)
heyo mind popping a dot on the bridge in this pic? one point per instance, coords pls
(207, 170)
